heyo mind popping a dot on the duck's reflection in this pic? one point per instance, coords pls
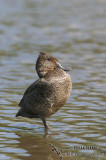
(36, 146)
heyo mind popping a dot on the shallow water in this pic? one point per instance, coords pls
(74, 32)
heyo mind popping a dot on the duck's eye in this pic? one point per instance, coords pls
(49, 59)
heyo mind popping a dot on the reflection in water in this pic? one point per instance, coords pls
(74, 32)
(36, 147)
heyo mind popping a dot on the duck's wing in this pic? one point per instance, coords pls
(35, 99)
(30, 89)
(36, 94)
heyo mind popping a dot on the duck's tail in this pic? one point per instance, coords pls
(22, 113)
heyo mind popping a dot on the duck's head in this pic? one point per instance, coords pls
(46, 64)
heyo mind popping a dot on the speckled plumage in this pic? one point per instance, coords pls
(46, 95)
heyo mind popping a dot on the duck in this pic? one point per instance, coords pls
(49, 93)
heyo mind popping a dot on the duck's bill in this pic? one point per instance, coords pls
(60, 66)
(66, 69)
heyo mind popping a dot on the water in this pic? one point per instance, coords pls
(74, 32)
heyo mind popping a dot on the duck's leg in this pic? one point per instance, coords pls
(44, 121)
